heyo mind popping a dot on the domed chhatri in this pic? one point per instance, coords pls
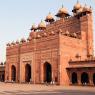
(77, 6)
(23, 40)
(42, 25)
(80, 10)
(17, 42)
(33, 27)
(84, 10)
(63, 12)
(8, 44)
(49, 18)
(87, 9)
(13, 43)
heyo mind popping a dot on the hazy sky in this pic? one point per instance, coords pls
(17, 17)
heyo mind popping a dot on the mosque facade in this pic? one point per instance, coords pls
(60, 50)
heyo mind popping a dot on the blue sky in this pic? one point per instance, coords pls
(17, 16)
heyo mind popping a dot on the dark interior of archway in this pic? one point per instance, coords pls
(3, 78)
(27, 73)
(48, 72)
(94, 78)
(74, 78)
(13, 73)
(84, 78)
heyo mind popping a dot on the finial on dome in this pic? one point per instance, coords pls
(77, 5)
(77, 1)
(49, 18)
(90, 7)
(62, 5)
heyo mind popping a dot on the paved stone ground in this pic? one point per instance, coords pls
(30, 89)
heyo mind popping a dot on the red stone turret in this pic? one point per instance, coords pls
(77, 6)
(63, 12)
(49, 18)
(33, 27)
(42, 25)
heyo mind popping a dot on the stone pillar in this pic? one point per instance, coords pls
(42, 72)
(79, 78)
(53, 71)
(90, 78)
(70, 77)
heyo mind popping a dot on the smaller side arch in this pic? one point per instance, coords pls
(13, 73)
(94, 78)
(27, 73)
(47, 72)
(84, 78)
(74, 78)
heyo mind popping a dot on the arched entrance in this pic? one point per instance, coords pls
(47, 72)
(3, 77)
(27, 73)
(84, 78)
(13, 69)
(94, 78)
(74, 78)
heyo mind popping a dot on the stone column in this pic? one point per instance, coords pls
(90, 78)
(53, 71)
(79, 78)
(42, 72)
(70, 78)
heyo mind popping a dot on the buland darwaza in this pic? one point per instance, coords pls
(59, 50)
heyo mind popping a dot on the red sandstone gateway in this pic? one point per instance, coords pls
(60, 52)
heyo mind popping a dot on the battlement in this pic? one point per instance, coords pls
(66, 25)
(70, 27)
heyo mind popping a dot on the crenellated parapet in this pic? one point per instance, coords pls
(65, 25)
(44, 34)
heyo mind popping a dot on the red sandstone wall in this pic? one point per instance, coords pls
(56, 49)
(70, 48)
(12, 58)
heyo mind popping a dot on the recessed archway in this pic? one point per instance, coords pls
(84, 78)
(74, 78)
(94, 78)
(3, 78)
(27, 73)
(13, 73)
(47, 72)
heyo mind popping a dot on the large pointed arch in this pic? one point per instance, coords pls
(47, 72)
(13, 73)
(84, 78)
(74, 78)
(27, 73)
(94, 78)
